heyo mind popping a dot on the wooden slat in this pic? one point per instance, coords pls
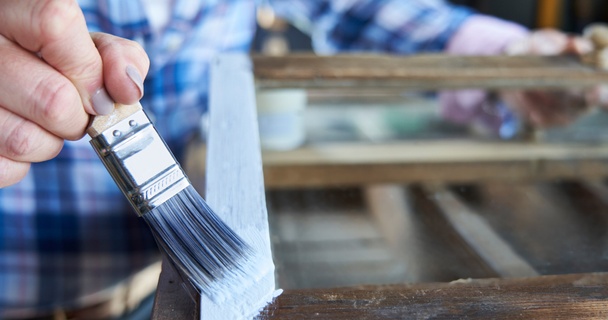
(429, 71)
(235, 186)
(389, 205)
(577, 296)
(546, 224)
(448, 161)
(420, 238)
(549, 13)
(478, 234)
(174, 299)
(443, 151)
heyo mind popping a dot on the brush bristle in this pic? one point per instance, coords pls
(206, 250)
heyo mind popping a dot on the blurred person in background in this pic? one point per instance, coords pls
(70, 245)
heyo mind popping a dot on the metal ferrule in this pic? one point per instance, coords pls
(140, 162)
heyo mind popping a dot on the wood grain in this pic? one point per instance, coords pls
(576, 296)
(426, 71)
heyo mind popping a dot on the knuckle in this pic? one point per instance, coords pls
(87, 72)
(54, 100)
(25, 141)
(12, 172)
(56, 17)
(53, 104)
(20, 141)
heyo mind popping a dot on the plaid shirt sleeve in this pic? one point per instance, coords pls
(67, 234)
(397, 26)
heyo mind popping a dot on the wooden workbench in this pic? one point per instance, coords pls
(579, 296)
(399, 177)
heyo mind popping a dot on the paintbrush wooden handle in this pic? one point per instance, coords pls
(100, 124)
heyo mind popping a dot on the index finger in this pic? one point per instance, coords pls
(57, 31)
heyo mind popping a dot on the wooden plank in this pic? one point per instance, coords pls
(576, 296)
(545, 224)
(235, 187)
(478, 234)
(389, 205)
(438, 151)
(309, 176)
(431, 161)
(233, 163)
(420, 238)
(234, 176)
(174, 299)
(354, 164)
(426, 71)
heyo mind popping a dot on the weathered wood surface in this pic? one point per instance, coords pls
(431, 161)
(174, 300)
(429, 71)
(576, 296)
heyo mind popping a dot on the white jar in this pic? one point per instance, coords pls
(280, 118)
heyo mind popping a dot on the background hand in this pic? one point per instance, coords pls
(544, 108)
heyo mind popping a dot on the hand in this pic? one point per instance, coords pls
(54, 75)
(555, 107)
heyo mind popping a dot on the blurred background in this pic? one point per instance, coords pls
(399, 195)
(566, 15)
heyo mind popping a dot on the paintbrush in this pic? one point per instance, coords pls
(203, 247)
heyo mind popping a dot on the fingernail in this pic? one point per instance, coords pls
(102, 103)
(136, 78)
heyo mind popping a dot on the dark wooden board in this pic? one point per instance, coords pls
(427, 71)
(577, 296)
(174, 300)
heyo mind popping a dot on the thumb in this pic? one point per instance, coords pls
(125, 65)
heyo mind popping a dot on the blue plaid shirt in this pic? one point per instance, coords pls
(66, 231)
